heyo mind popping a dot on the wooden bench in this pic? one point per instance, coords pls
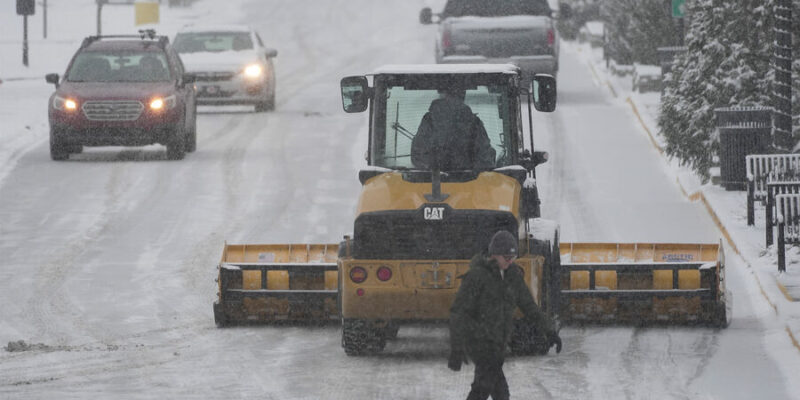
(763, 167)
(788, 218)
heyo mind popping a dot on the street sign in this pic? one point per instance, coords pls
(678, 8)
(26, 7)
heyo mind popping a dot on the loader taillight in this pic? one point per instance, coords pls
(358, 274)
(447, 42)
(551, 37)
(384, 274)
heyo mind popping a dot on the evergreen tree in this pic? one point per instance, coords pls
(637, 28)
(727, 64)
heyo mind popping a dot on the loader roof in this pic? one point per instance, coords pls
(447, 69)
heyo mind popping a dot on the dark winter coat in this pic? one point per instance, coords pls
(481, 314)
(452, 137)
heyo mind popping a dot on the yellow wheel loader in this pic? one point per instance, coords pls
(418, 224)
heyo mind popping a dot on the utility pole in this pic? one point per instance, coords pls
(782, 95)
(44, 18)
(99, 16)
(25, 8)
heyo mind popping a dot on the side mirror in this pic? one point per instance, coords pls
(531, 162)
(52, 78)
(426, 16)
(544, 92)
(270, 53)
(355, 94)
(188, 79)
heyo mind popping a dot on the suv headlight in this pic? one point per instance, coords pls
(163, 103)
(254, 71)
(65, 103)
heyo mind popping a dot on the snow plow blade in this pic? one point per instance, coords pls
(277, 283)
(644, 283)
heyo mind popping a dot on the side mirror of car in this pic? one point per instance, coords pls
(188, 79)
(544, 92)
(355, 94)
(270, 53)
(426, 16)
(52, 78)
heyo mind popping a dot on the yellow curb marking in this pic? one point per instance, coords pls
(597, 79)
(641, 121)
(791, 336)
(785, 292)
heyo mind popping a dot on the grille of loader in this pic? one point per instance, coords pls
(404, 235)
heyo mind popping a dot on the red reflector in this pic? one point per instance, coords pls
(360, 292)
(384, 274)
(551, 37)
(358, 274)
(446, 42)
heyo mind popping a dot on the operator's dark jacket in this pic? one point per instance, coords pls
(451, 137)
(481, 315)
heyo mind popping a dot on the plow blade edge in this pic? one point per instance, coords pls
(643, 283)
(277, 283)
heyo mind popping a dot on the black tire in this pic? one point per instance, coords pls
(390, 331)
(58, 151)
(191, 135)
(359, 337)
(176, 148)
(268, 104)
(220, 319)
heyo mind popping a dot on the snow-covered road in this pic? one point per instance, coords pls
(107, 261)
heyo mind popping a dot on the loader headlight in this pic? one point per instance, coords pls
(65, 103)
(358, 274)
(163, 103)
(253, 71)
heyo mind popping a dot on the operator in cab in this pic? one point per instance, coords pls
(451, 137)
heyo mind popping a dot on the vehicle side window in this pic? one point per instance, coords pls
(258, 38)
(176, 60)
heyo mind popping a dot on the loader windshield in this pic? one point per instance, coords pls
(404, 105)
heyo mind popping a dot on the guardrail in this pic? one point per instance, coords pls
(763, 167)
(774, 189)
(788, 213)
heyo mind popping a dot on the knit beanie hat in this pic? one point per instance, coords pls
(503, 243)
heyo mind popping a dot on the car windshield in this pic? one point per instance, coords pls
(107, 66)
(496, 8)
(401, 103)
(196, 42)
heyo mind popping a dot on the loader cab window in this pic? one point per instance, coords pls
(401, 102)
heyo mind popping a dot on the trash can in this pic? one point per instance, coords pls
(742, 131)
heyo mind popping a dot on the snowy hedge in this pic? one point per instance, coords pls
(728, 63)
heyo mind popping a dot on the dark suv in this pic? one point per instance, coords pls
(123, 91)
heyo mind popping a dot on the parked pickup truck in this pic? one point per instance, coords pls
(520, 32)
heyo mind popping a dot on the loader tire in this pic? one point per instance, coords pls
(359, 337)
(525, 341)
(219, 316)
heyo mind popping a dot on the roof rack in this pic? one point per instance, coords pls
(148, 35)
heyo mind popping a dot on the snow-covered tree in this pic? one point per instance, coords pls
(727, 64)
(637, 28)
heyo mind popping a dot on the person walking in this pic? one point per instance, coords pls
(481, 316)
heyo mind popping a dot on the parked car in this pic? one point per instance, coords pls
(646, 78)
(592, 32)
(477, 31)
(231, 65)
(128, 90)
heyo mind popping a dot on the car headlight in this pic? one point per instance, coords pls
(163, 103)
(253, 71)
(65, 103)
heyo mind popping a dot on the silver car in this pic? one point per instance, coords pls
(231, 64)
